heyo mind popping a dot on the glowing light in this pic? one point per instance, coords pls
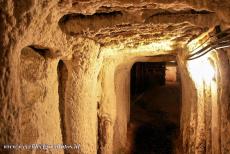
(201, 69)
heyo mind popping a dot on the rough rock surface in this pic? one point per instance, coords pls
(98, 41)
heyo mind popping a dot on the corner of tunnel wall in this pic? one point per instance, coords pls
(107, 107)
(205, 107)
(122, 90)
(114, 108)
(213, 107)
(223, 98)
(188, 111)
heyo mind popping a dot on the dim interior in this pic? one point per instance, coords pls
(115, 77)
(155, 108)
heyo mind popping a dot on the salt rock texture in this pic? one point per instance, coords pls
(65, 70)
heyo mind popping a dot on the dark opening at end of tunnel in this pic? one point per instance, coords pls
(155, 108)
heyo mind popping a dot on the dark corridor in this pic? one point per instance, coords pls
(146, 75)
(155, 110)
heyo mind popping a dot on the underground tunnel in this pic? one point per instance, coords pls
(114, 77)
(155, 108)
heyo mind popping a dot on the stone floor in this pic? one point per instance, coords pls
(154, 125)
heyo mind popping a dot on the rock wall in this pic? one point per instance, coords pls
(36, 35)
(204, 123)
(39, 100)
(223, 100)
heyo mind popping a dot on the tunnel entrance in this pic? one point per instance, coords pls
(155, 108)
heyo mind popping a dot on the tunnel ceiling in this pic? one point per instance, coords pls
(134, 24)
(117, 25)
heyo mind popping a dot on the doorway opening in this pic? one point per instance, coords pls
(154, 108)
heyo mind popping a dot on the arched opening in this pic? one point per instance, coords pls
(155, 108)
